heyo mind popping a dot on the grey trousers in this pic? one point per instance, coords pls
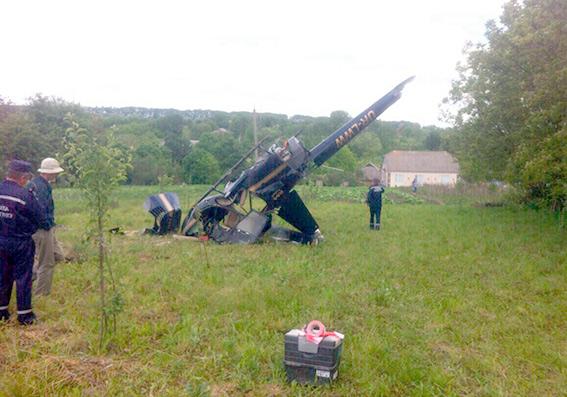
(48, 252)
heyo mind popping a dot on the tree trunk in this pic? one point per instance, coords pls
(100, 234)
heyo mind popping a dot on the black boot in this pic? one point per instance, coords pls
(26, 319)
(4, 315)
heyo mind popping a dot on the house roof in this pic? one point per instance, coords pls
(420, 161)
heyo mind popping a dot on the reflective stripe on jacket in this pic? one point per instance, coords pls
(20, 213)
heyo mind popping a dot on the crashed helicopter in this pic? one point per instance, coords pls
(230, 216)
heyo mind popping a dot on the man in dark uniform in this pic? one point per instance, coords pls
(374, 201)
(20, 217)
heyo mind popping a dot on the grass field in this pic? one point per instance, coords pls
(446, 300)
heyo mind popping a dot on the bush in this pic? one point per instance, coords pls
(199, 166)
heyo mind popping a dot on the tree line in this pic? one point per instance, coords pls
(196, 147)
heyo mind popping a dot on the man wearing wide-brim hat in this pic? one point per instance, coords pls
(48, 249)
(20, 217)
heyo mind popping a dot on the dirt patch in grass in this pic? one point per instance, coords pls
(433, 200)
(90, 371)
(145, 257)
(3, 358)
(271, 390)
(30, 336)
(58, 372)
(224, 389)
(41, 332)
(445, 349)
(231, 389)
(158, 314)
(42, 336)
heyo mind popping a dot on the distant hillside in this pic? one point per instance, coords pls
(153, 113)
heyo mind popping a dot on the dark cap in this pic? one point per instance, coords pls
(20, 166)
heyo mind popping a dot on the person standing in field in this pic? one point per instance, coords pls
(20, 217)
(374, 201)
(49, 251)
(414, 184)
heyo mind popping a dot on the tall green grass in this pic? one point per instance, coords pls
(445, 300)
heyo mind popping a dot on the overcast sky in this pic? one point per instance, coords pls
(291, 57)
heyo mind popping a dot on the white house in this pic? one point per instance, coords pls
(400, 167)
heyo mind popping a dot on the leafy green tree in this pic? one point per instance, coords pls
(48, 114)
(340, 168)
(398, 135)
(170, 125)
(223, 146)
(221, 119)
(155, 153)
(511, 97)
(4, 108)
(170, 128)
(149, 163)
(34, 131)
(99, 166)
(21, 138)
(338, 118)
(344, 159)
(178, 147)
(314, 130)
(135, 132)
(366, 147)
(200, 166)
(541, 171)
(433, 140)
(241, 124)
(201, 127)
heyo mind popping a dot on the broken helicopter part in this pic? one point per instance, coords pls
(166, 211)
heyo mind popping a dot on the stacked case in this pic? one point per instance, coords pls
(307, 362)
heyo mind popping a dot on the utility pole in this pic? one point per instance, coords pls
(255, 127)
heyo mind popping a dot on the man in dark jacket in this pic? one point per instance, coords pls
(374, 201)
(20, 217)
(48, 249)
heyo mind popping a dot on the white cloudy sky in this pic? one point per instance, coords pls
(292, 57)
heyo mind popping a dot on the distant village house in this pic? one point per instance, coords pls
(400, 167)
